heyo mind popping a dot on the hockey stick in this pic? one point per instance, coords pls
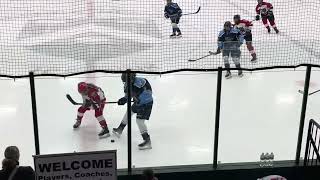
(192, 13)
(186, 13)
(193, 60)
(72, 101)
(76, 103)
(300, 91)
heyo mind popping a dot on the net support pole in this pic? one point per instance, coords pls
(128, 82)
(303, 113)
(34, 113)
(217, 119)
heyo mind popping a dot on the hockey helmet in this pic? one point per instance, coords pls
(124, 77)
(82, 87)
(236, 17)
(259, 1)
(227, 25)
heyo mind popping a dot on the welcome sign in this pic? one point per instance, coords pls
(98, 165)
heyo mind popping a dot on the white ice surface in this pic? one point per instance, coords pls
(259, 112)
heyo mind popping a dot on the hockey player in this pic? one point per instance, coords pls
(142, 106)
(266, 11)
(173, 11)
(93, 98)
(229, 41)
(245, 28)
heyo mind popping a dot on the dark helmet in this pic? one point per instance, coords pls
(236, 17)
(124, 77)
(227, 25)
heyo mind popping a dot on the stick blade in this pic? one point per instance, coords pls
(198, 10)
(71, 100)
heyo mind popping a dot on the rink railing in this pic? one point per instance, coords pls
(217, 110)
(312, 152)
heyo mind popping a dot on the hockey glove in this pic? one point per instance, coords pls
(257, 17)
(166, 15)
(218, 51)
(215, 53)
(122, 101)
(134, 108)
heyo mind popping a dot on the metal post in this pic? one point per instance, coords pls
(217, 119)
(303, 113)
(129, 84)
(34, 114)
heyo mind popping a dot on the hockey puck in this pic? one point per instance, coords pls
(112, 140)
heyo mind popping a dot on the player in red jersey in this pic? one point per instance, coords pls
(245, 28)
(266, 11)
(93, 98)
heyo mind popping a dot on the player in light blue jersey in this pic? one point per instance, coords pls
(229, 41)
(141, 92)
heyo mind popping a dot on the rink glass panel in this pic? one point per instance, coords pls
(57, 115)
(260, 113)
(181, 125)
(16, 126)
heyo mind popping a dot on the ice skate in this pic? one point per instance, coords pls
(254, 58)
(146, 142)
(117, 132)
(173, 35)
(179, 35)
(104, 132)
(77, 124)
(145, 145)
(269, 30)
(228, 75)
(276, 30)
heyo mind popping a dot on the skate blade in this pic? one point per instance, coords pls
(229, 77)
(116, 134)
(104, 136)
(145, 148)
(240, 75)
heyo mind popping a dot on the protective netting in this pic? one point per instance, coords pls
(71, 36)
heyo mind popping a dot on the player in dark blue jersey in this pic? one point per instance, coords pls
(173, 11)
(141, 92)
(229, 41)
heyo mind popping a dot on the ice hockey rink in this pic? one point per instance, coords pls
(259, 112)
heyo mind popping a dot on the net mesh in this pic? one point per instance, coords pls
(71, 36)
